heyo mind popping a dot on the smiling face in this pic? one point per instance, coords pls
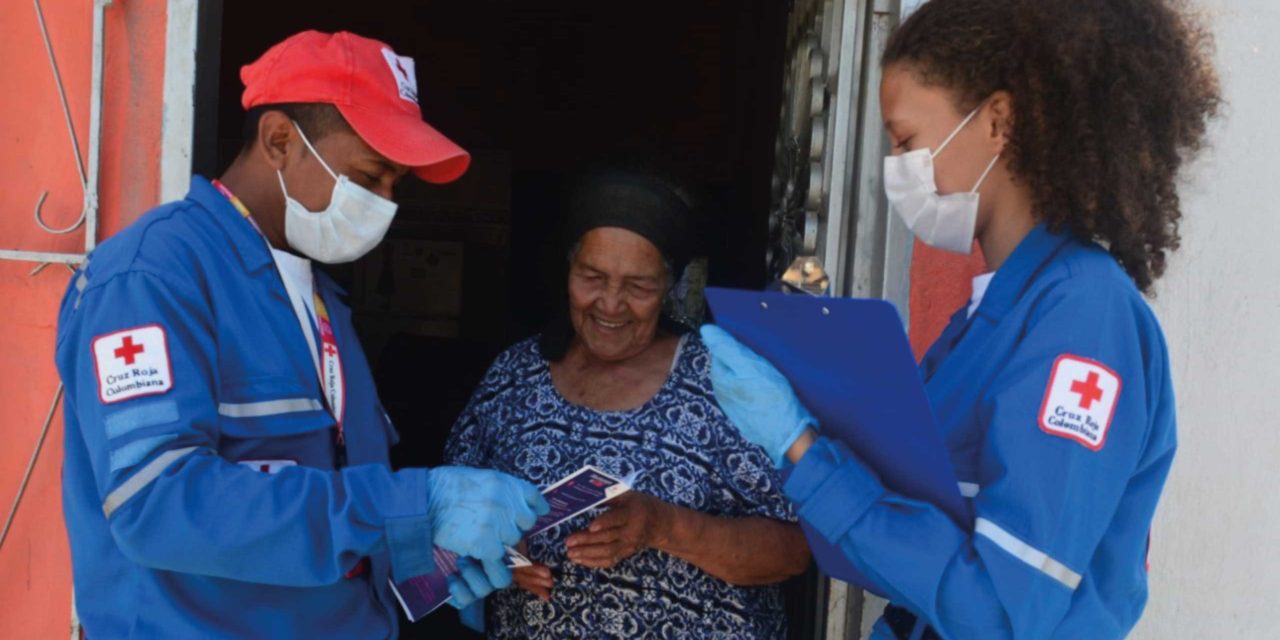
(617, 281)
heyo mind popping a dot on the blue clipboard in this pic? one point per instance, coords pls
(849, 362)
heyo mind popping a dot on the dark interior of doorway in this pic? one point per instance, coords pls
(538, 92)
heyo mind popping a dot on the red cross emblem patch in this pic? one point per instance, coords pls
(1080, 401)
(270, 467)
(132, 363)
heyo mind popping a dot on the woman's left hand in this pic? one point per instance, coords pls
(634, 522)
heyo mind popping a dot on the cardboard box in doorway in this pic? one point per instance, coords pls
(415, 278)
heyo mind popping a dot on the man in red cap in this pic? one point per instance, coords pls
(226, 470)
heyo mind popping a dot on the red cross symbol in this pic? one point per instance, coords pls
(1088, 389)
(128, 350)
(331, 350)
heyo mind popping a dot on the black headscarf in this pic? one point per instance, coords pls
(643, 204)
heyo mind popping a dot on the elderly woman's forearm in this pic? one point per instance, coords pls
(744, 552)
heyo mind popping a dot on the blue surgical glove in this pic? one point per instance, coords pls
(755, 395)
(471, 583)
(478, 513)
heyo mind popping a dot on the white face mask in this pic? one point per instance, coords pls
(352, 225)
(942, 221)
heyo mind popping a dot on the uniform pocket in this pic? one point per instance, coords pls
(304, 438)
(274, 418)
(271, 407)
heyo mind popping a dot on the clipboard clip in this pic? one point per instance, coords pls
(806, 276)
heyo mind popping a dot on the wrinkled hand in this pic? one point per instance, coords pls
(476, 513)
(754, 395)
(536, 579)
(634, 522)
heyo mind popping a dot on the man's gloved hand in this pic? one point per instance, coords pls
(478, 513)
(470, 584)
(756, 396)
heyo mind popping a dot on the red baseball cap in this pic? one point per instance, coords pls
(374, 89)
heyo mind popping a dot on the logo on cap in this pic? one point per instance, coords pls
(402, 70)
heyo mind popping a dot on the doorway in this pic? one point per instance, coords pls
(538, 92)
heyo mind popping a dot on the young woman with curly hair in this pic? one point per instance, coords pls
(1052, 132)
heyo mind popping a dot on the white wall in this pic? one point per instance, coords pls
(1216, 558)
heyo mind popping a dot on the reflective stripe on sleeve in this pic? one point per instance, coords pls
(269, 407)
(1027, 553)
(141, 479)
(970, 489)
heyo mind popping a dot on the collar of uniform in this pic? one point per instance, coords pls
(1016, 274)
(249, 244)
(329, 283)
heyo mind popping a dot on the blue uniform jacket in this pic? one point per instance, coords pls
(1056, 404)
(200, 486)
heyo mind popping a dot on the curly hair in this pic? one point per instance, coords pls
(1110, 98)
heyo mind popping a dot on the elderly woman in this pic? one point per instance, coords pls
(700, 545)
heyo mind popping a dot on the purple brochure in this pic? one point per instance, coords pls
(582, 491)
(422, 594)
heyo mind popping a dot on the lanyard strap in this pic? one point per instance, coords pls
(330, 373)
(335, 385)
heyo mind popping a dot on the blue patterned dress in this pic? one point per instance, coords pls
(686, 453)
